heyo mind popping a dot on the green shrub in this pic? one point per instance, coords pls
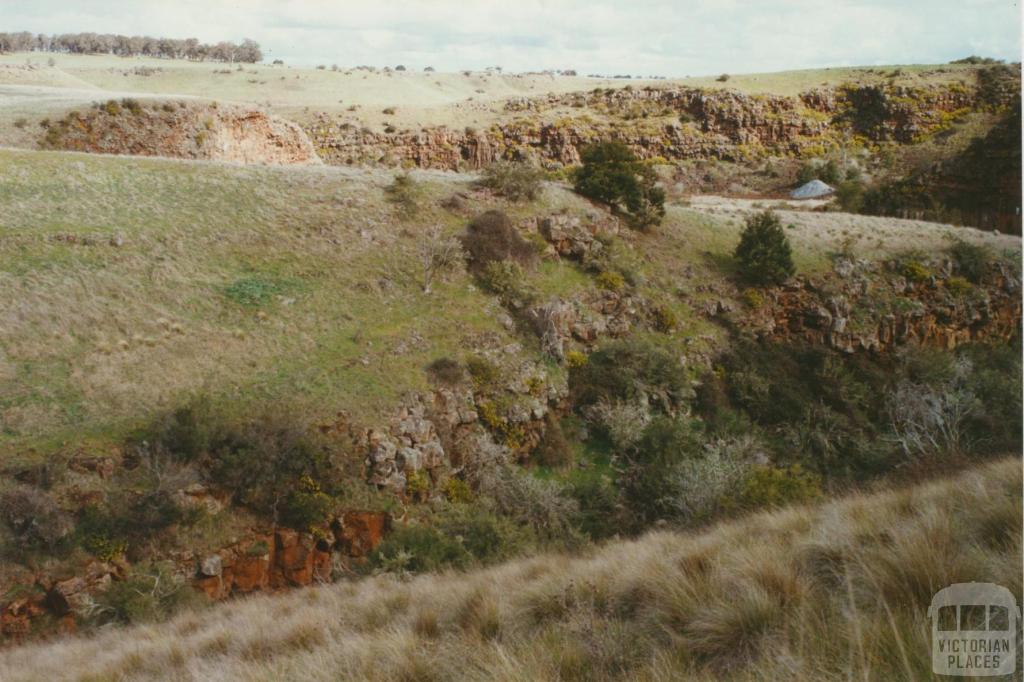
(626, 371)
(485, 535)
(112, 107)
(457, 491)
(405, 194)
(774, 487)
(612, 281)
(764, 253)
(128, 520)
(485, 374)
(575, 358)
(850, 196)
(915, 271)
(616, 256)
(612, 174)
(554, 449)
(132, 105)
(150, 593)
(514, 181)
(959, 286)
(187, 431)
(266, 462)
(827, 172)
(420, 549)
(506, 279)
(417, 485)
(544, 506)
(306, 505)
(491, 237)
(446, 371)
(970, 260)
(664, 319)
(752, 298)
(597, 498)
(646, 482)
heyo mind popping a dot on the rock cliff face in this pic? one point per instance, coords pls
(670, 122)
(191, 131)
(883, 312)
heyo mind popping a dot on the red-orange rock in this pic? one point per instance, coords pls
(293, 558)
(358, 533)
(249, 573)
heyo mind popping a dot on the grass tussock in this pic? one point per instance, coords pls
(831, 592)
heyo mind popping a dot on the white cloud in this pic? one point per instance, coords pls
(627, 36)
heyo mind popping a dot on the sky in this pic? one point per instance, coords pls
(638, 37)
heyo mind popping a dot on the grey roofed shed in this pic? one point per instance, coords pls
(811, 190)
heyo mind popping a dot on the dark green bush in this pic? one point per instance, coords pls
(129, 520)
(630, 371)
(270, 463)
(645, 481)
(263, 462)
(446, 371)
(763, 253)
(612, 174)
(306, 506)
(850, 195)
(599, 511)
(827, 172)
(970, 260)
(419, 549)
(485, 535)
(491, 237)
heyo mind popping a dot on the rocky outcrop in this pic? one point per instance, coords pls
(886, 311)
(57, 598)
(189, 131)
(267, 561)
(667, 122)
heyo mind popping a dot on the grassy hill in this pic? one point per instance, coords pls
(136, 283)
(269, 340)
(831, 592)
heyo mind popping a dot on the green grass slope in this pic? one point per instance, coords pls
(134, 284)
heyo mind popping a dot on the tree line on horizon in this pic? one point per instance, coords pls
(132, 46)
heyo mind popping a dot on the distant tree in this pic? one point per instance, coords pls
(131, 46)
(611, 173)
(764, 253)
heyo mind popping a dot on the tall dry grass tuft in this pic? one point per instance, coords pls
(836, 592)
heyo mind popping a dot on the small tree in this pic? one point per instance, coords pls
(437, 255)
(611, 173)
(763, 253)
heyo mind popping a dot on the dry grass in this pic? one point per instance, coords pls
(815, 234)
(834, 592)
(30, 87)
